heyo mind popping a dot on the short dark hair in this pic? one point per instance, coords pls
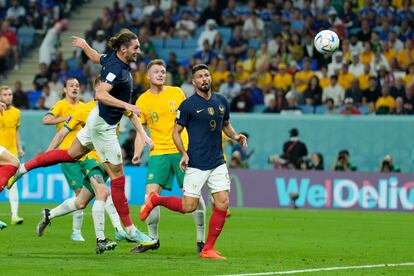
(156, 62)
(123, 38)
(198, 67)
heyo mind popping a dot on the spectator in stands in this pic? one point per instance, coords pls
(271, 107)
(342, 162)
(241, 75)
(40, 104)
(206, 55)
(398, 89)
(15, 13)
(309, 49)
(181, 76)
(334, 91)
(10, 34)
(99, 43)
(350, 108)
(230, 17)
(249, 64)
(364, 34)
(49, 98)
(264, 79)
(255, 91)
(212, 11)
(120, 23)
(275, 27)
(156, 17)
(345, 77)
(134, 14)
(394, 42)
(5, 48)
(330, 107)
(355, 45)
(364, 78)
(185, 27)
(220, 75)
(128, 147)
(218, 46)
(294, 150)
(147, 47)
(282, 79)
(48, 45)
(356, 68)
(209, 33)
(262, 56)
(314, 162)
(336, 65)
(242, 102)
(406, 55)
(192, 9)
(165, 29)
(237, 45)
(20, 99)
(409, 99)
(354, 92)
(366, 54)
(372, 93)
(42, 78)
(385, 77)
(253, 27)
(291, 107)
(347, 15)
(230, 88)
(324, 80)
(399, 107)
(379, 61)
(239, 155)
(172, 64)
(386, 103)
(387, 165)
(302, 77)
(313, 94)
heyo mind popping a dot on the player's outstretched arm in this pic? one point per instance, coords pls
(58, 138)
(103, 96)
(49, 119)
(141, 131)
(81, 43)
(231, 133)
(180, 146)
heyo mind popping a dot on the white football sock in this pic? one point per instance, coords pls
(22, 169)
(98, 214)
(152, 222)
(131, 229)
(64, 208)
(199, 217)
(14, 200)
(113, 214)
(77, 221)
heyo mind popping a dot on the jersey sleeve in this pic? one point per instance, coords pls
(18, 119)
(183, 115)
(55, 110)
(109, 74)
(140, 104)
(72, 121)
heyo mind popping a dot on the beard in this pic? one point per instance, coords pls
(204, 88)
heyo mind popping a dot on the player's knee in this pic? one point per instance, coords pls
(222, 203)
(102, 193)
(189, 207)
(80, 204)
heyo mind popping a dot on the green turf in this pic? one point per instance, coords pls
(253, 240)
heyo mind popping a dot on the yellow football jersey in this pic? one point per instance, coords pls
(77, 121)
(9, 123)
(158, 112)
(64, 109)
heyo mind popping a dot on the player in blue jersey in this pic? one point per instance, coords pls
(114, 95)
(205, 115)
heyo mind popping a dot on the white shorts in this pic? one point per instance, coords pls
(101, 136)
(217, 180)
(2, 149)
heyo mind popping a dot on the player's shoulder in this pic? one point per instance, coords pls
(143, 97)
(14, 110)
(173, 89)
(219, 97)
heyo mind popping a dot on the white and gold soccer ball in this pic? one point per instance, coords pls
(326, 42)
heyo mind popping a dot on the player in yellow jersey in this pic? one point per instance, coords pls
(57, 115)
(10, 140)
(159, 106)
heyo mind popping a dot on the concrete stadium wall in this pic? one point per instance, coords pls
(368, 138)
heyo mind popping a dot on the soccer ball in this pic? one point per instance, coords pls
(326, 42)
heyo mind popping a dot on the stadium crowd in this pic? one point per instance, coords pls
(260, 53)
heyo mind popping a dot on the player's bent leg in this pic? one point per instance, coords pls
(8, 167)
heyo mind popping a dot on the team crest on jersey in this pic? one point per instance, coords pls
(171, 104)
(221, 108)
(211, 111)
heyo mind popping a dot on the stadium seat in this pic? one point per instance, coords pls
(33, 96)
(364, 109)
(254, 43)
(26, 37)
(158, 44)
(307, 109)
(173, 43)
(259, 108)
(190, 43)
(320, 109)
(225, 33)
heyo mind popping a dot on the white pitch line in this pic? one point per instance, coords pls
(321, 269)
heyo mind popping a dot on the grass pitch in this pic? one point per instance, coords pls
(253, 240)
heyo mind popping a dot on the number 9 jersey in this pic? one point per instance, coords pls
(204, 122)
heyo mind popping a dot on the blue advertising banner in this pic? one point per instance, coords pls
(48, 185)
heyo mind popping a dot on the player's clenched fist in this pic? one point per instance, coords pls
(184, 162)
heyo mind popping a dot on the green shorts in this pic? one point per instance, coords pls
(73, 174)
(162, 168)
(91, 167)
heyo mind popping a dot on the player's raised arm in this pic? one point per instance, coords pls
(103, 96)
(60, 135)
(81, 43)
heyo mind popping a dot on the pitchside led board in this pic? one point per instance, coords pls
(258, 188)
